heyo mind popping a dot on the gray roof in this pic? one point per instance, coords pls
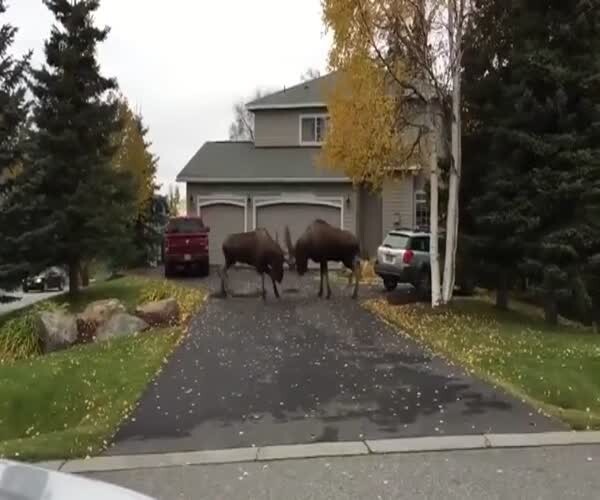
(312, 93)
(227, 162)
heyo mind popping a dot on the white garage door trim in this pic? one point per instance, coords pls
(259, 202)
(210, 201)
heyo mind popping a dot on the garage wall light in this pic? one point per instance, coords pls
(348, 200)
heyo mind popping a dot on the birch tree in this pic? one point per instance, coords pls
(417, 45)
(456, 26)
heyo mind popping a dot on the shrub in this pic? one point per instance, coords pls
(187, 298)
(19, 338)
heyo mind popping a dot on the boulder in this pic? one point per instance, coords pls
(94, 316)
(162, 312)
(120, 325)
(101, 311)
(57, 330)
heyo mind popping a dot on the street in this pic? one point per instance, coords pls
(26, 300)
(530, 473)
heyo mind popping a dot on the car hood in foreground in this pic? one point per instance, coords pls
(25, 482)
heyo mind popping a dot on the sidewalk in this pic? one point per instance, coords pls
(563, 472)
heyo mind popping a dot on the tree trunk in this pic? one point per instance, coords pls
(74, 268)
(502, 292)
(85, 274)
(434, 221)
(454, 28)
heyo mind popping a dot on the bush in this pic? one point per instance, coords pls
(187, 298)
(19, 338)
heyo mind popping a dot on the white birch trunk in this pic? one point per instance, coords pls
(434, 254)
(455, 168)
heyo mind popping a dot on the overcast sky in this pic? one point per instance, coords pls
(184, 62)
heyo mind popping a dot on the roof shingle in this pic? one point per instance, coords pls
(243, 162)
(306, 94)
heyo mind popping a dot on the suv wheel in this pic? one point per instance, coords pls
(423, 285)
(168, 270)
(390, 284)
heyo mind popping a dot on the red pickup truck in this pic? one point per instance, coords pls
(186, 246)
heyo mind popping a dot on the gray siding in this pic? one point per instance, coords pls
(278, 128)
(370, 221)
(244, 191)
(398, 204)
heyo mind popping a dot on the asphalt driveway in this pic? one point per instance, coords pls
(303, 370)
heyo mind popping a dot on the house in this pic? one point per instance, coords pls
(275, 180)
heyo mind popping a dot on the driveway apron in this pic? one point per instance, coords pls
(302, 370)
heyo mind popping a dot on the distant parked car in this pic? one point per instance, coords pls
(403, 257)
(51, 279)
(186, 246)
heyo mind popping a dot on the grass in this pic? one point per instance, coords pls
(70, 404)
(555, 369)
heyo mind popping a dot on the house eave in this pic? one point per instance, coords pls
(263, 180)
(303, 105)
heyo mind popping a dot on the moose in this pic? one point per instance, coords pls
(257, 249)
(321, 243)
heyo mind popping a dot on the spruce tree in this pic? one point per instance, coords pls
(13, 102)
(498, 213)
(556, 57)
(70, 205)
(13, 124)
(541, 121)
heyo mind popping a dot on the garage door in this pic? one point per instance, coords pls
(274, 217)
(223, 220)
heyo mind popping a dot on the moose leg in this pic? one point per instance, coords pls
(223, 276)
(356, 273)
(264, 292)
(322, 274)
(275, 291)
(327, 279)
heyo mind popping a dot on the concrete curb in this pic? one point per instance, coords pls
(335, 449)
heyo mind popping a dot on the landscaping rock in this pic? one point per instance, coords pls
(94, 316)
(162, 312)
(120, 325)
(101, 311)
(57, 330)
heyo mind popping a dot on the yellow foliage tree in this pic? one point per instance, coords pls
(134, 157)
(371, 136)
(362, 138)
(384, 54)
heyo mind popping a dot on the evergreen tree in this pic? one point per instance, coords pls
(536, 105)
(69, 204)
(13, 124)
(498, 213)
(135, 157)
(13, 103)
(174, 200)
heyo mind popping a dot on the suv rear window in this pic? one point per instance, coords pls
(420, 244)
(185, 226)
(396, 241)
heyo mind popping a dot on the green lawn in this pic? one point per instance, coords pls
(557, 369)
(69, 404)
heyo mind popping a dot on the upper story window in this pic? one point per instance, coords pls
(313, 129)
